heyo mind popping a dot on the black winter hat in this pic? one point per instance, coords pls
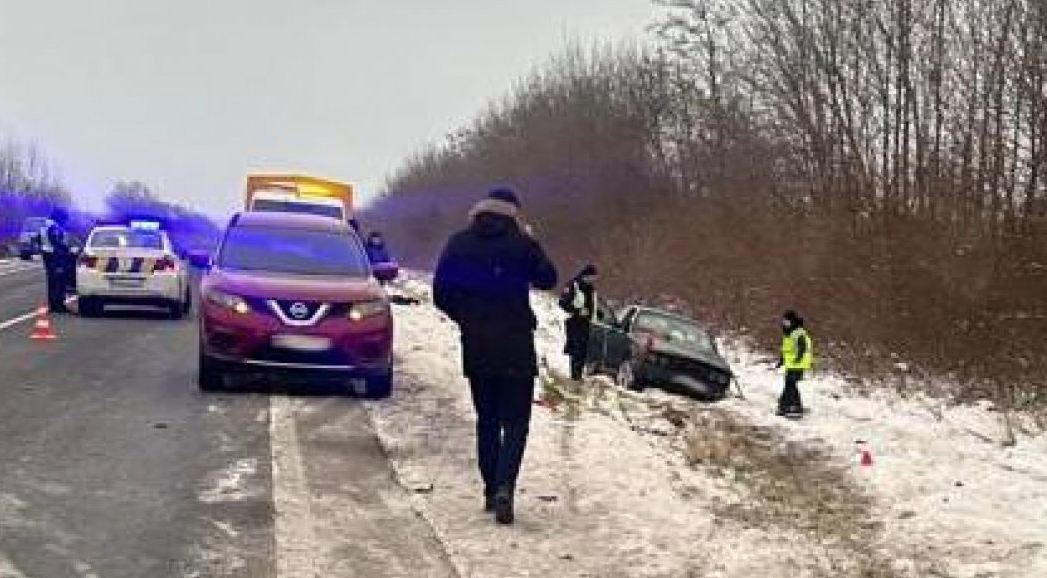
(793, 318)
(504, 194)
(588, 270)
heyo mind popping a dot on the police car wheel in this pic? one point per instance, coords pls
(90, 307)
(210, 377)
(176, 309)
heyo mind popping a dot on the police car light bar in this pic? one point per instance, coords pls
(145, 225)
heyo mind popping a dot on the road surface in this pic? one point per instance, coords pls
(114, 465)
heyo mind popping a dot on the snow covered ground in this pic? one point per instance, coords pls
(653, 485)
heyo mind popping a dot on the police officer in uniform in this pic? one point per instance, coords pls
(579, 301)
(54, 245)
(797, 357)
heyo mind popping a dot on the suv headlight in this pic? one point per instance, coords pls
(229, 301)
(366, 309)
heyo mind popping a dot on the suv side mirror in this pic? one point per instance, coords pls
(199, 259)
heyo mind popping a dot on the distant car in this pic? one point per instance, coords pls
(294, 293)
(643, 346)
(29, 237)
(131, 265)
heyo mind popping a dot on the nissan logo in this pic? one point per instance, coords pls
(299, 311)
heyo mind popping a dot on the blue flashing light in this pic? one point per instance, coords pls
(145, 225)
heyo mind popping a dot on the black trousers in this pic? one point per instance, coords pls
(577, 367)
(790, 399)
(503, 418)
(57, 282)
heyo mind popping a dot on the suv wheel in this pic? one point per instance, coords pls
(381, 386)
(210, 376)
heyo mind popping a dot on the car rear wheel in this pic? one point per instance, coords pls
(26, 256)
(626, 377)
(90, 307)
(177, 309)
(380, 387)
(210, 376)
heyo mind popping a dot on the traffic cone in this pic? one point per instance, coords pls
(42, 329)
(865, 457)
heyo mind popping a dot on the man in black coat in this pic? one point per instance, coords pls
(483, 283)
(579, 301)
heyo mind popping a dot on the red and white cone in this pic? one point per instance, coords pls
(864, 460)
(42, 329)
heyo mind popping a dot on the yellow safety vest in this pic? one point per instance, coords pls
(790, 347)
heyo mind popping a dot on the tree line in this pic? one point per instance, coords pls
(30, 187)
(878, 165)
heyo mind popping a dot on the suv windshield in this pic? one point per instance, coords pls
(126, 239)
(293, 251)
(275, 206)
(674, 330)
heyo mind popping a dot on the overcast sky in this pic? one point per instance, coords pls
(189, 95)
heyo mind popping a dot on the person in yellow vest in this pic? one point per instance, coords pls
(797, 357)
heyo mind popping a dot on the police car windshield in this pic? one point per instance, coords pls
(673, 330)
(292, 251)
(127, 239)
(277, 206)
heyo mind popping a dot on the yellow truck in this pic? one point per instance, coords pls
(297, 193)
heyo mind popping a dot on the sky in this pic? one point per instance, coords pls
(191, 95)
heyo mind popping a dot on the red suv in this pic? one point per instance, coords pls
(289, 292)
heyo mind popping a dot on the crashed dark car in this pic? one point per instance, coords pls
(644, 347)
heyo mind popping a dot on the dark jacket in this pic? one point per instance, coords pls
(56, 250)
(377, 252)
(578, 324)
(483, 282)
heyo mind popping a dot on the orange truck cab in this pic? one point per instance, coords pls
(295, 193)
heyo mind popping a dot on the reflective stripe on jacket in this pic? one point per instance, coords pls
(45, 237)
(798, 350)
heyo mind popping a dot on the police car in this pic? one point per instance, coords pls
(131, 264)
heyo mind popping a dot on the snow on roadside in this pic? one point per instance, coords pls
(945, 487)
(601, 498)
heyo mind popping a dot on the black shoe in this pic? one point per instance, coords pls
(503, 507)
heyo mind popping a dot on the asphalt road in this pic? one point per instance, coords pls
(114, 465)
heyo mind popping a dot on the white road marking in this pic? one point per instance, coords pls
(16, 269)
(296, 546)
(5, 325)
(20, 319)
(8, 569)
